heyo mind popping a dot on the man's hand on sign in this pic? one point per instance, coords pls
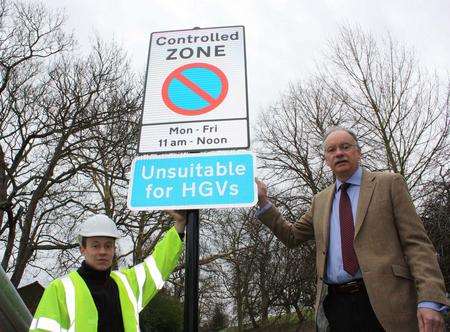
(180, 219)
(263, 199)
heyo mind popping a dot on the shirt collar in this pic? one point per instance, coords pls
(88, 272)
(355, 179)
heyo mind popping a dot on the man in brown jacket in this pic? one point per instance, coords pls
(376, 268)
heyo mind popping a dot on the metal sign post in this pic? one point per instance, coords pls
(191, 274)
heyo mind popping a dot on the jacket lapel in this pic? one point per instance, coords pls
(365, 195)
(325, 220)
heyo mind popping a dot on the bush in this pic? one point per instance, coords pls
(163, 314)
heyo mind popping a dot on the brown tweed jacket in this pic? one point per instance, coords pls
(396, 257)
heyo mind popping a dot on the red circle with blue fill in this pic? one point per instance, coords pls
(194, 89)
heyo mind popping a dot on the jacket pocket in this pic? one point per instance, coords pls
(402, 272)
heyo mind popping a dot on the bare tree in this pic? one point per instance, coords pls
(435, 216)
(395, 106)
(289, 140)
(225, 233)
(29, 34)
(256, 278)
(379, 90)
(48, 112)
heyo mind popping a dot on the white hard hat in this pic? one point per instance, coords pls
(99, 225)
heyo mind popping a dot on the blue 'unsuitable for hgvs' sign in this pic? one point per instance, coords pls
(212, 180)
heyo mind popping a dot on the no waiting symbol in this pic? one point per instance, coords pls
(194, 89)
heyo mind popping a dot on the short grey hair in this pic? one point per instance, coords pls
(339, 128)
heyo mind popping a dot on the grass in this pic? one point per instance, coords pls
(284, 323)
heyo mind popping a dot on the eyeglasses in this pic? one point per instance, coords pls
(345, 147)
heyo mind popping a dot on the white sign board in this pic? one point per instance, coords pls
(195, 91)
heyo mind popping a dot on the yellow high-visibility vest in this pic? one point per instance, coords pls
(67, 304)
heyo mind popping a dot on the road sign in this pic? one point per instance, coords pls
(195, 78)
(203, 180)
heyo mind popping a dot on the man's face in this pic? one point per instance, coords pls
(341, 154)
(99, 252)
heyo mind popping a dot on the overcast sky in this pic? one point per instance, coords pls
(284, 38)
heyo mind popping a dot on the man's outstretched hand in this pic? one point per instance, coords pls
(180, 219)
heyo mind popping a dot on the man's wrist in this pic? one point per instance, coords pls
(263, 202)
(434, 306)
(263, 209)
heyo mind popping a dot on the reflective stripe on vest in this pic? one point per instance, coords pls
(69, 289)
(140, 276)
(131, 296)
(154, 271)
(48, 324)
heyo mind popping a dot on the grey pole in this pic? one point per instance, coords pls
(14, 314)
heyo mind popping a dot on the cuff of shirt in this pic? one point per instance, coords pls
(263, 209)
(433, 305)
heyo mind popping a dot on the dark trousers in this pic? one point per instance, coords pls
(350, 313)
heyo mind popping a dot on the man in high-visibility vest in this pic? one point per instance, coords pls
(94, 298)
